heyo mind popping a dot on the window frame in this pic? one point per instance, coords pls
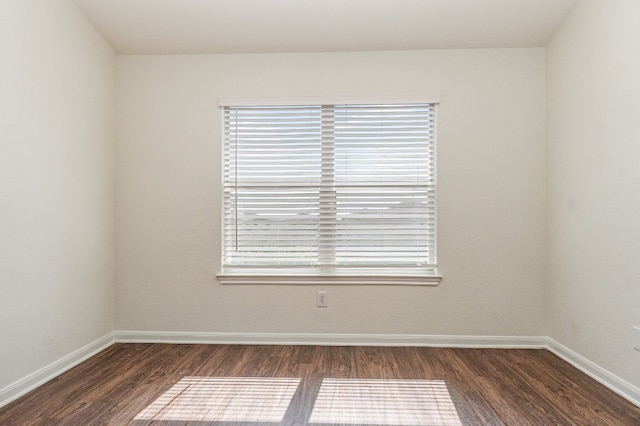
(291, 275)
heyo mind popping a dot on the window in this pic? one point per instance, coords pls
(314, 192)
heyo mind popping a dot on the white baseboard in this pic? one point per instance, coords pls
(506, 342)
(608, 379)
(38, 378)
(32, 381)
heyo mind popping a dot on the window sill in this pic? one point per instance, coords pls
(285, 277)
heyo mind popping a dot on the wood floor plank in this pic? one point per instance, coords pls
(486, 387)
(498, 382)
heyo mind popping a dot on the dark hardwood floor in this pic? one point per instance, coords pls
(159, 384)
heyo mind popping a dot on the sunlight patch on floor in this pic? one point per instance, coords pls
(385, 402)
(223, 399)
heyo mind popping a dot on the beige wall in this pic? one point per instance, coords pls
(491, 154)
(57, 87)
(594, 184)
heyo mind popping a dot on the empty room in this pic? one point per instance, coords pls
(365, 212)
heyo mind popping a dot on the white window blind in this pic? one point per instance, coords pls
(330, 187)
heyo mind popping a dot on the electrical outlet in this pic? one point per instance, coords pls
(322, 299)
(636, 338)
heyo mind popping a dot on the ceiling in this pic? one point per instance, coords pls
(265, 26)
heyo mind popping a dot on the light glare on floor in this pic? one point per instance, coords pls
(341, 401)
(223, 399)
(385, 402)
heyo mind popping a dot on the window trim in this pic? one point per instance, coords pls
(242, 275)
(320, 100)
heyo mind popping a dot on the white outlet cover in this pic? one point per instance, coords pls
(322, 299)
(636, 338)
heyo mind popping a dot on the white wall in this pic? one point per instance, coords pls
(57, 98)
(594, 184)
(492, 193)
